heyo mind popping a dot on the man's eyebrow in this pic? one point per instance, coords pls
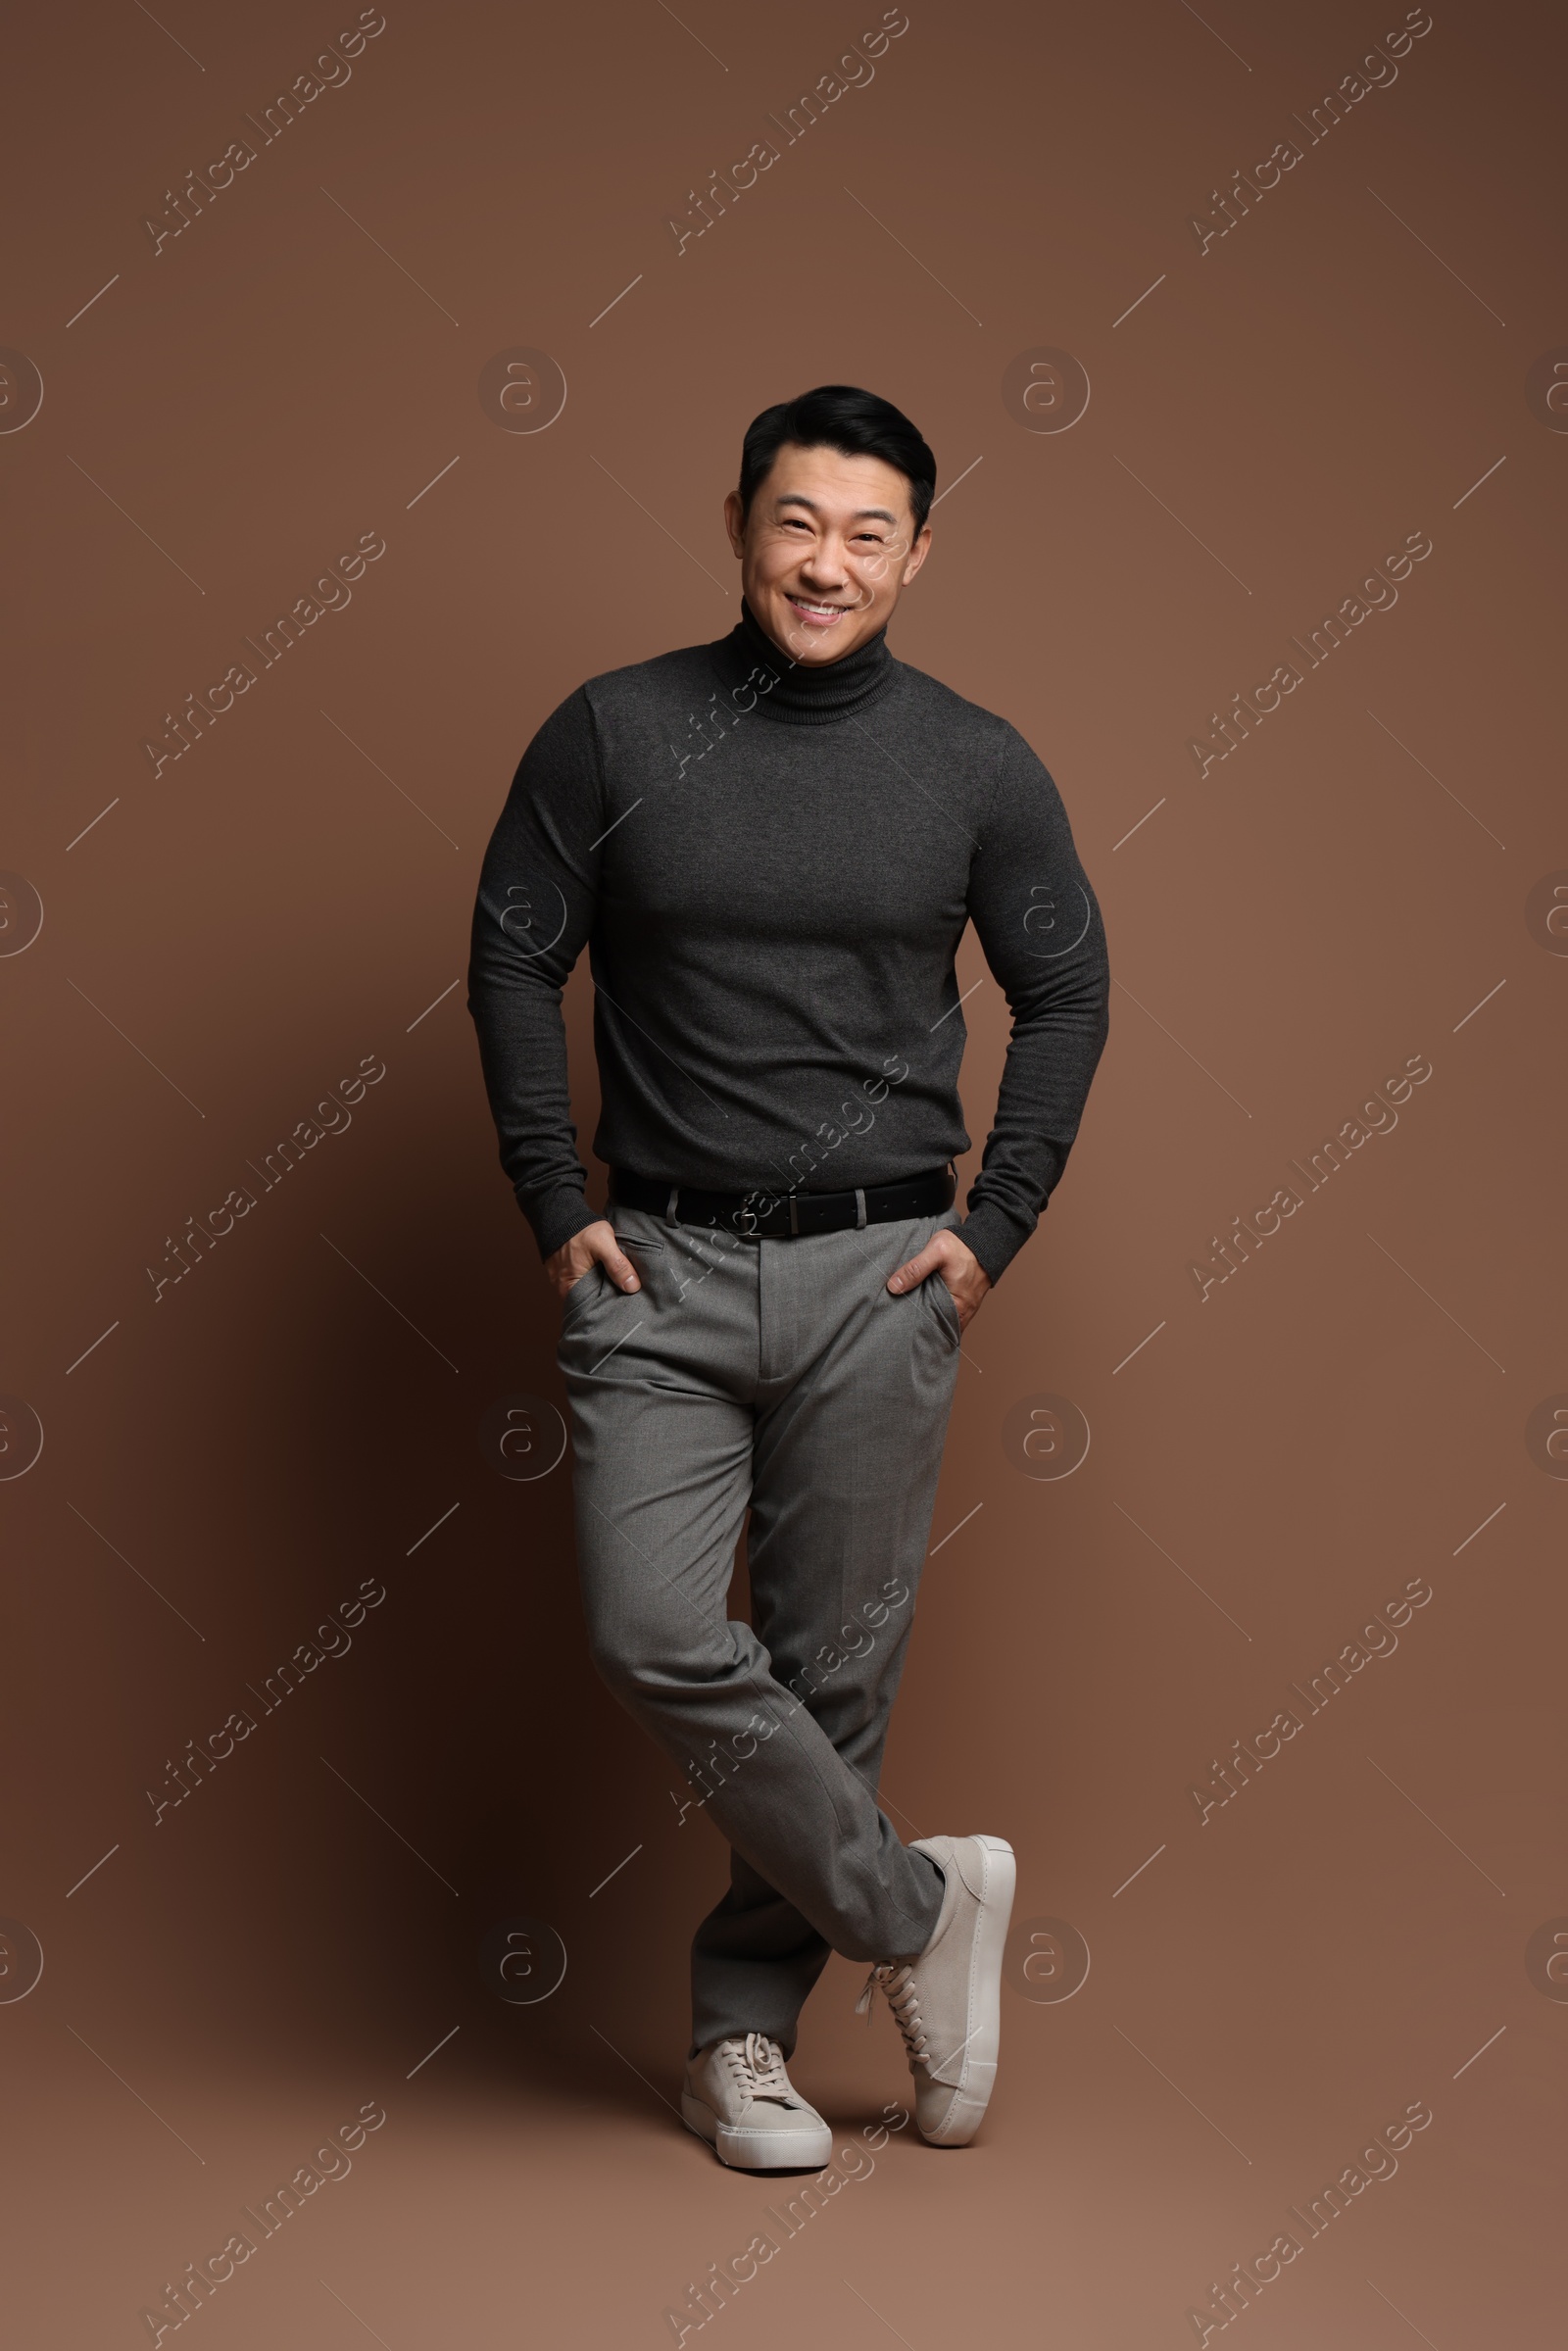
(861, 514)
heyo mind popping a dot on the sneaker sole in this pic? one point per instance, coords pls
(807, 2150)
(966, 2110)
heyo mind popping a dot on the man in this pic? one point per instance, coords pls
(770, 846)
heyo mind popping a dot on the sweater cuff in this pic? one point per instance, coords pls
(557, 1214)
(994, 1236)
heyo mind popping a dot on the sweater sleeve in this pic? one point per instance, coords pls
(538, 889)
(1039, 928)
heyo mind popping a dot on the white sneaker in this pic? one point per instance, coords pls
(741, 2100)
(948, 2002)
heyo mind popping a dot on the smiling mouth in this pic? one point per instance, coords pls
(821, 613)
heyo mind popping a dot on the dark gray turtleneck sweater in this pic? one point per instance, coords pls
(771, 867)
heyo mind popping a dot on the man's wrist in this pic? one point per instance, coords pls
(556, 1215)
(993, 1236)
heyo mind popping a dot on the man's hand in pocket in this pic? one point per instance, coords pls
(594, 1245)
(947, 1259)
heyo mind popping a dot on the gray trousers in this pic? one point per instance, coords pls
(783, 1375)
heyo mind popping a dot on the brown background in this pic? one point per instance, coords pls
(231, 937)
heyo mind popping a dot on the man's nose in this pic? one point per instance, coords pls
(828, 564)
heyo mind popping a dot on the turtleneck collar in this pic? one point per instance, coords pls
(808, 694)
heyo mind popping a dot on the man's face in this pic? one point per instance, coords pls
(827, 551)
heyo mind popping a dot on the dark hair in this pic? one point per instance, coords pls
(840, 417)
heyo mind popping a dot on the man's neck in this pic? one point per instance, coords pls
(812, 692)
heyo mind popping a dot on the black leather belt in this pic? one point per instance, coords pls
(773, 1215)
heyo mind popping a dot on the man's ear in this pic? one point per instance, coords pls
(734, 522)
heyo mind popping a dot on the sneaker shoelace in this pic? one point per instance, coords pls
(898, 1986)
(758, 2065)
